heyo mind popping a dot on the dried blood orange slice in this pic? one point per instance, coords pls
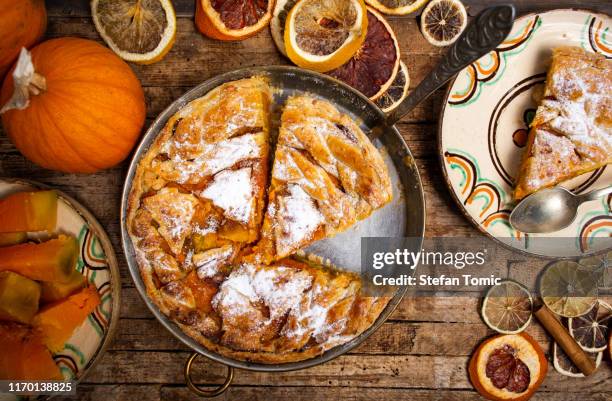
(374, 67)
(442, 21)
(232, 19)
(277, 23)
(592, 329)
(396, 92)
(324, 34)
(507, 307)
(138, 31)
(508, 367)
(397, 7)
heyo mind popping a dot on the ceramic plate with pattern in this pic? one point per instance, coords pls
(484, 126)
(98, 263)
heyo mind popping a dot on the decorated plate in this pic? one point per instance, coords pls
(484, 125)
(98, 263)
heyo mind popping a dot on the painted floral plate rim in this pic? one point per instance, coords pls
(98, 262)
(468, 92)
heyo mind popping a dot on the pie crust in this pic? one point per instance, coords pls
(195, 216)
(571, 133)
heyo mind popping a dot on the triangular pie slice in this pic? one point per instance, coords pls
(199, 192)
(571, 133)
(326, 176)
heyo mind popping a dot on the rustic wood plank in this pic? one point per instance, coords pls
(409, 371)
(115, 392)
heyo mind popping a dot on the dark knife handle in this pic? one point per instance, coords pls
(483, 34)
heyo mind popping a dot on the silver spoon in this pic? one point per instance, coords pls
(550, 209)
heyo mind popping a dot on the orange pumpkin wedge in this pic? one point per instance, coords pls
(53, 260)
(28, 211)
(52, 291)
(57, 321)
(7, 239)
(19, 297)
(23, 356)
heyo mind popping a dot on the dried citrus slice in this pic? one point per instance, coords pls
(396, 92)
(374, 67)
(564, 365)
(568, 289)
(324, 34)
(141, 31)
(277, 23)
(507, 307)
(232, 19)
(442, 21)
(397, 7)
(592, 329)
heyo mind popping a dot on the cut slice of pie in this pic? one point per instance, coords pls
(326, 176)
(571, 133)
(199, 192)
(291, 310)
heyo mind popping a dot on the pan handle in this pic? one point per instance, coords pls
(483, 34)
(206, 393)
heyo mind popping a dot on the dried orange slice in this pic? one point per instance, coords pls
(324, 34)
(442, 21)
(507, 307)
(374, 67)
(397, 7)
(277, 23)
(232, 19)
(508, 367)
(396, 92)
(137, 30)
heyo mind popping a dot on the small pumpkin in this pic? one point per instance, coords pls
(22, 23)
(72, 105)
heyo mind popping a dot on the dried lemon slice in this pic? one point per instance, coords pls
(442, 21)
(507, 307)
(397, 92)
(322, 35)
(568, 289)
(397, 7)
(140, 31)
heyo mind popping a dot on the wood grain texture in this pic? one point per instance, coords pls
(419, 354)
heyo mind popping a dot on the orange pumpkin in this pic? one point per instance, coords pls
(22, 23)
(85, 111)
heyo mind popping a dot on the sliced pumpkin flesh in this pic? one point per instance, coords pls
(28, 211)
(53, 260)
(19, 297)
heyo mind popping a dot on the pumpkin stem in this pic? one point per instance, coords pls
(26, 82)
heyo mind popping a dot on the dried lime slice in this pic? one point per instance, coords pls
(568, 288)
(507, 307)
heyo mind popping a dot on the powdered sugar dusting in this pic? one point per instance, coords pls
(210, 262)
(299, 218)
(232, 191)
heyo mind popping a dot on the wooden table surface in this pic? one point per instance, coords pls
(420, 353)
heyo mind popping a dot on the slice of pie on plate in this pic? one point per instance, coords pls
(326, 176)
(571, 133)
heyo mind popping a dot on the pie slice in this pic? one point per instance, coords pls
(326, 176)
(571, 133)
(290, 310)
(199, 192)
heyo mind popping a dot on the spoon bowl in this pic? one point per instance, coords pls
(550, 209)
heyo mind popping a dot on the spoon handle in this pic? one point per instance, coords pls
(483, 34)
(598, 193)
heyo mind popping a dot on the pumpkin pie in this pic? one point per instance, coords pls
(571, 133)
(209, 260)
